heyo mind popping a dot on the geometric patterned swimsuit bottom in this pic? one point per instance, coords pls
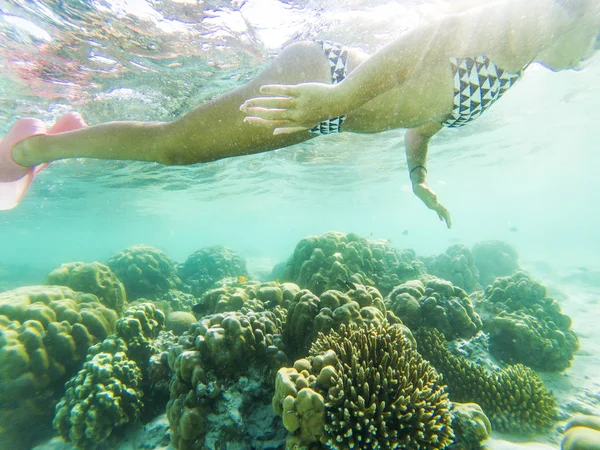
(478, 83)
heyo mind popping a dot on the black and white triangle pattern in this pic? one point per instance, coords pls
(337, 55)
(478, 83)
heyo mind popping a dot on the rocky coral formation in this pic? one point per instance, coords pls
(456, 265)
(435, 303)
(471, 426)
(319, 263)
(146, 272)
(107, 392)
(494, 259)
(93, 278)
(525, 325)
(206, 266)
(514, 398)
(582, 433)
(236, 295)
(364, 387)
(45, 332)
(309, 314)
(209, 363)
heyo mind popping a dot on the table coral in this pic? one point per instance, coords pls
(364, 387)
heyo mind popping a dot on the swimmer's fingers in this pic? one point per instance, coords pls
(287, 90)
(267, 102)
(267, 113)
(444, 215)
(289, 130)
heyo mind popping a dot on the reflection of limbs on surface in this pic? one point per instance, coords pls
(416, 143)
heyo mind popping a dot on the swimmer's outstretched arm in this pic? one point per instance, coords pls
(514, 30)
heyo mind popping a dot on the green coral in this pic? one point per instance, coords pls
(209, 359)
(236, 295)
(146, 272)
(364, 387)
(93, 278)
(206, 266)
(525, 325)
(45, 332)
(320, 262)
(514, 398)
(435, 303)
(456, 265)
(107, 392)
(494, 259)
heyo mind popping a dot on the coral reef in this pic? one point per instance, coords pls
(525, 325)
(319, 263)
(456, 265)
(45, 332)
(145, 271)
(514, 398)
(582, 433)
(364, 387)
(494, 259)
(93, 278)
(236, 295)
(206, 266)
(471, 426)
(179, 321)
(216, 364)
(107, 392)
(435, 303)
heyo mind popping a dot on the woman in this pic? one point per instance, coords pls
(442, 73)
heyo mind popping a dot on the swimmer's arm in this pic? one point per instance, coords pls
(516, 28)
(416, 143)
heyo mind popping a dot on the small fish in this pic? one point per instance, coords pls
(405, 233)
(346, 284)
(513, 229)
(172, 65)
(242, 278)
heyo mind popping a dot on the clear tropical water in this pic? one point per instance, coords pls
(526, 172)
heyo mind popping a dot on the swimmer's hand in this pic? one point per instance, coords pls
(292, 108)
(429, 197)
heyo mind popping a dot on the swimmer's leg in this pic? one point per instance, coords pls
(212, 131)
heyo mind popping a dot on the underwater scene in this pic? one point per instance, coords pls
(300, 298)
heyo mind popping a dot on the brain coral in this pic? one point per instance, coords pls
(145, 271)
(320, 262)
(435, 303)
(457, 265)
(514, 398)
(206, 266)
(494, 259)
(364, 387)
(93, 278)
(525, 325)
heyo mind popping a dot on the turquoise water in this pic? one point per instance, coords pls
(525, 173)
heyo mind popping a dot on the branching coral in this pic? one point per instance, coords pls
(364, 387)
(514, 398)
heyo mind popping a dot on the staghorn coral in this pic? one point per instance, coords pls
(364, 387)
(494, 259)
(514, 398)
(435, 303)
(219, 359)
(45, 332)
(93, 278)
(525, 325)
(456, 265)
(107, 392)
(145, 271)
(206, 266)
(320, 262)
